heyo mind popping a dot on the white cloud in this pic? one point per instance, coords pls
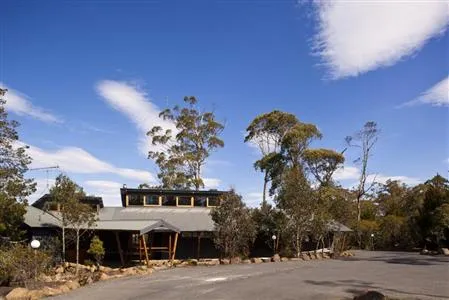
(437, 95)
(352, 174)
(254, 199)
(77, 160)
(383, 178)
(21, 105)
(346, 173)
(108, 190)
(211, 183)
(136, 106)
(355, 37)
(42, 187)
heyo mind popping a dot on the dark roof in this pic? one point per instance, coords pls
(159, 191)
(184, 219)
(35, 217)
(47, 198)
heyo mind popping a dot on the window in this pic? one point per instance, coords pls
(152, 200)
(135, 199)
(184, 201)
(200, 201)
(213, 201)
(169, 200)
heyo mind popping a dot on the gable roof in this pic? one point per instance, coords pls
(35, 217)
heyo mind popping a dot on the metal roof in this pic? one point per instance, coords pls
(35, 217)
(130, 225)
(184, 219)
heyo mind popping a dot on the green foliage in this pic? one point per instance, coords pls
(297, 200)
(19, 264)
(96, 249)
(183, 156)
(322, 163)
(235, 230)
(14, 188)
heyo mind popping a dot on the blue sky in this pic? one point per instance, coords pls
(87, 79)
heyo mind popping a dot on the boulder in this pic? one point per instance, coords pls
(45, 278)
(72, 284)
(256, 260)
(305, 256)
(103, 276)
(266, 259)
(319, 255)
(48, 291)
(105, 269)
(59, 270)
(36, 294)
(18, 294)
(246, 261)
(445, 251)
(283, 259)
(128, 271)
(371, 295)
(276, 258)
(235, 260)
(224, 261)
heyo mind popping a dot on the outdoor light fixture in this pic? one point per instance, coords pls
(35, 244)
(124, 186)
(273, 237)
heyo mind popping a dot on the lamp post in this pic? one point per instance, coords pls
(273, 237)
(35, 244)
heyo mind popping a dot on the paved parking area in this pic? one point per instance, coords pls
(397, 274)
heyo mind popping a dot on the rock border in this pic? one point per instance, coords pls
(64, 274)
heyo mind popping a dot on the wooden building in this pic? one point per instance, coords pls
(151, 224)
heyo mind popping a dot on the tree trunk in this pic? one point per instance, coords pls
(77, 251)
(63, 243)
(264, 193)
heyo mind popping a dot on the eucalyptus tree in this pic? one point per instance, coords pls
(266, 132)
(64, 191)
(183, 152)
(14, 187)
(364, 140)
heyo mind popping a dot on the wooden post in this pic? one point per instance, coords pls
(140, 250)
(174, 247)
(169, 246)
(198, 247)
(145, 250)
(119, 247)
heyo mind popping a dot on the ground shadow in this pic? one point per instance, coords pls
(415, 260)
(357, 287)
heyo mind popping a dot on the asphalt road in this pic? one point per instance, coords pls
(401, 275)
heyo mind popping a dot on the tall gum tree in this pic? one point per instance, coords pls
(266, 132)
(185, 152)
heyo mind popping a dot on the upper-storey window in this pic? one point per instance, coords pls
(184, 201)
(152, 200)
(213, 201)
(168, 200)
(135, 199)
(200, 201)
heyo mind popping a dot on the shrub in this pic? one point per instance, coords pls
(19, 264)
(96, 249)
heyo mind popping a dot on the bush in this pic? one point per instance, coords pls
(96, 249)
(19, 264)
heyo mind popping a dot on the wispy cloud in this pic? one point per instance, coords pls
(355, 37)
(108, 190)
(351, 174)
(437, 95)
(135, 104)
(21, 105)
(211, 183)
(77, 160)
(346, 173)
